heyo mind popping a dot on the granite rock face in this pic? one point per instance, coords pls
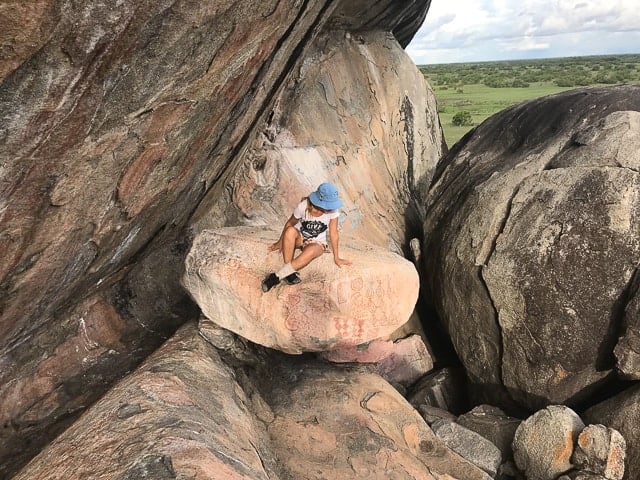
(332, 307)
(116, 120)
(356, 112)
(600, 450)
(188, 412)
(532, 242)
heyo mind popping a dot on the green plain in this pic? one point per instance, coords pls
(485, 88)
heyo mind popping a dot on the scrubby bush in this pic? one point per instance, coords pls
(462, 119)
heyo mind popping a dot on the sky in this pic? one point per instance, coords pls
(482, 30)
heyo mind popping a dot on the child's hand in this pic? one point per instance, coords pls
(275, 247)
(342, 261)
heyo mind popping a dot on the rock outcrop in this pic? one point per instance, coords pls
(532, 244)
(186, 413)
(600, 450)
(356, 112)
(116, 121)
(333, 307)
(401, 362)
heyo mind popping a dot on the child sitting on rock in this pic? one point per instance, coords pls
(307, 229)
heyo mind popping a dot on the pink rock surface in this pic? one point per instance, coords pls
(185, 413)
(340, 424)
(181, 414)
(403, 361)
(332, 307)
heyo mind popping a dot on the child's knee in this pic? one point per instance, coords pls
(291, 232)
(318, 250)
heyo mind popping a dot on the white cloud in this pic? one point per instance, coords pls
(477, 30)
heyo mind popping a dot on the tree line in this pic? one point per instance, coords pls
(562, 72)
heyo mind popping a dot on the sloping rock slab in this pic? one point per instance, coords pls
(181, 414)
(332, 307)
(337, 423)
(185, 413)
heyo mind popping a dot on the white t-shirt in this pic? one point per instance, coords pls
(313, 228)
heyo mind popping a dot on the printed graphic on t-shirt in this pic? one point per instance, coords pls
(312, 228)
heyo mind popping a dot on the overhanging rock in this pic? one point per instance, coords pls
(332, 307)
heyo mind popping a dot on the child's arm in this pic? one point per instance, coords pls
(334, 238)
(277, 246)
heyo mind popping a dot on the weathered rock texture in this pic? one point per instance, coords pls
(600, 450)
(333, 306)
(544, 442)
(186, 414)
(532, 243)
(116, 119)
(494, 425)
(334, 424)
(622, 413)
(470, 445)
(182, 413)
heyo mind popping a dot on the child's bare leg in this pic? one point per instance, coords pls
(290, 240)
(309, 252)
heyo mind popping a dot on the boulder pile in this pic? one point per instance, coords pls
(552, 443)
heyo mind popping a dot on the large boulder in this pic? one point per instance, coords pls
(181, 414)
(335, 424)
(333, 306)
(532, 239)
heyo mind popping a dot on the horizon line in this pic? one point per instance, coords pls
(530, 59)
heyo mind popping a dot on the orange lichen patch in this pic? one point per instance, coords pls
(559, 375)
(412, 436)
(584, 439)
(615, 463)
(562, 452)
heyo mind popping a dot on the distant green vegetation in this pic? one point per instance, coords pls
(468, 93)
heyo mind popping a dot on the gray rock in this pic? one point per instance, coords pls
(469, 445)
(622, 412)
(443, 388)
(600, 450)
(433, 414)
(494, 425)
(533, 239)
(544, 442)
(627, 350)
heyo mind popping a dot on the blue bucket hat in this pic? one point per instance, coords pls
(326, 197)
